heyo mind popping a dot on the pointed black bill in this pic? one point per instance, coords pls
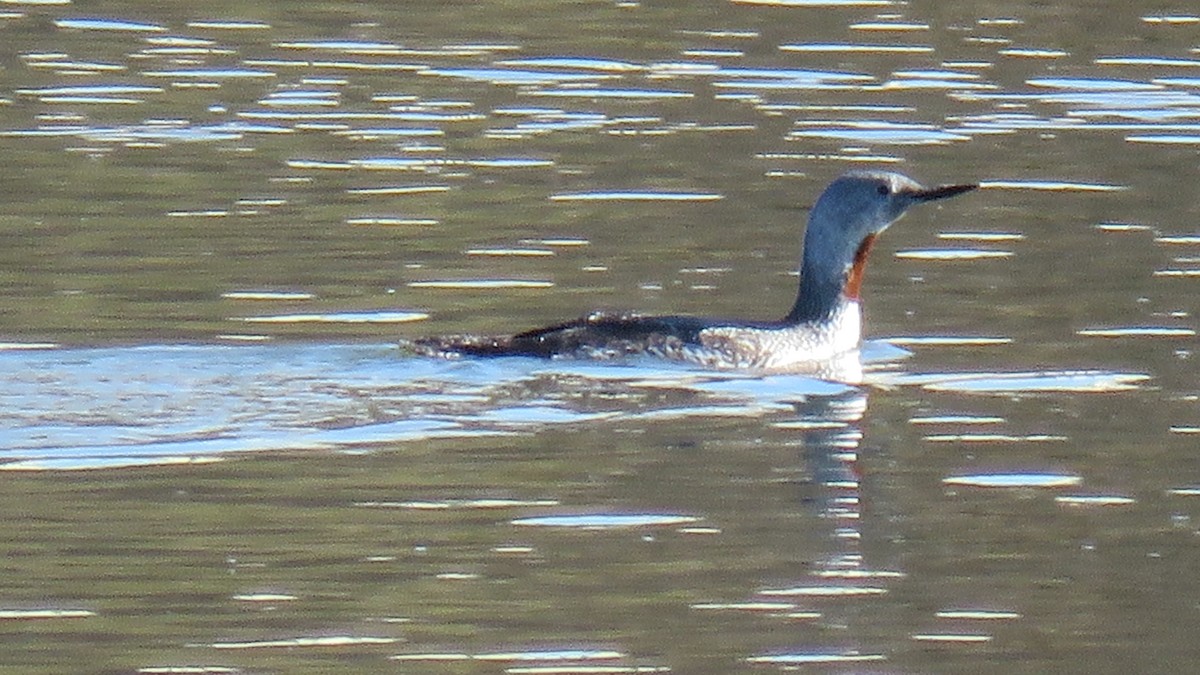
(942, 191)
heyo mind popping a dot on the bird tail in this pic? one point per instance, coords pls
(456, 346)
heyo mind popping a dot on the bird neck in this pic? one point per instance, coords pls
(829, 278)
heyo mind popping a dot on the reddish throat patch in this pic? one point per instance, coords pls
(855, 278)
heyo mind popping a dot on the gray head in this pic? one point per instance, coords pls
(863, 203)
(842, 225)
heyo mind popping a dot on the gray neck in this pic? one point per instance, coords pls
(822, 277)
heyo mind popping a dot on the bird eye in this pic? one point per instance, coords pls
(883, 190)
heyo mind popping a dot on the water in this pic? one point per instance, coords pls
(217, 224)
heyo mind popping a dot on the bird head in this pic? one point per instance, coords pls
(848, 216)
(863, 203)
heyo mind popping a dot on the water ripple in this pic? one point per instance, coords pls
(978, 614)
(632, 94)
(867, 131)
(951, 254)
(1050, 186)
(229, 25)
(90, 90)
(635, 196)
(952, 638)
(575, 62)
(1138, 331)
(1028, 382)
(607, 521)
(518, 77)
(852, 47)
(1092, 84)
(1165, 139)
(806, 658)
(37, 614)
(109, 25)
(306, 642)
(267, 295)
(1171, 19)
(1146, 61)
(475, 284)
(212, 74)
(338, 317)
(1094, 500)
(1014, 480)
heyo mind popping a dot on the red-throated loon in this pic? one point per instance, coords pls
(825, 323)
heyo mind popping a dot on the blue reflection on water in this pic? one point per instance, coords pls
(123, 406)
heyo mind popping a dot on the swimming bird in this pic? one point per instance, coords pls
(824, 324)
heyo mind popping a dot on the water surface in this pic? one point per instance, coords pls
(217, 222)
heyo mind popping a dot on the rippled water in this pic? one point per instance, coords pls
(218, 221)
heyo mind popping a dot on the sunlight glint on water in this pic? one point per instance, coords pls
(309, 497)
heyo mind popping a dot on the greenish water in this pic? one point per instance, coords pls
(212, 235)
